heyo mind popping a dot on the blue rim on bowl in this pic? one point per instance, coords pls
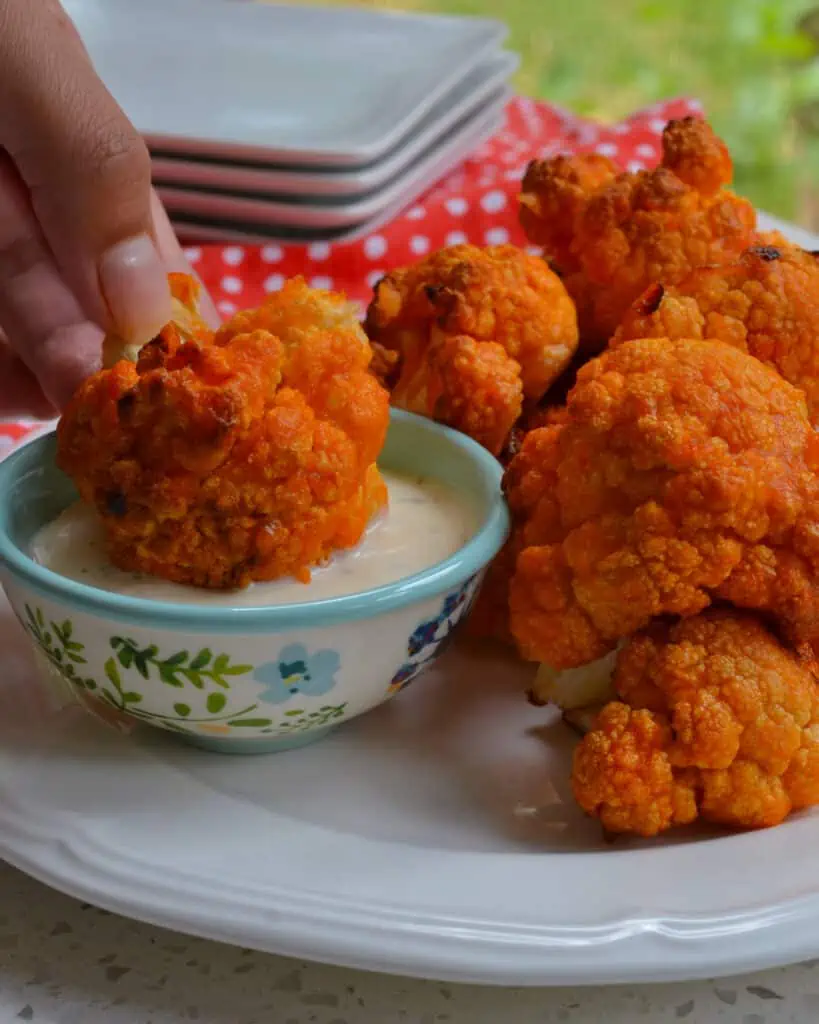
(449, 453)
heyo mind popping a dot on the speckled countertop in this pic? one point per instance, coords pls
(64, 962)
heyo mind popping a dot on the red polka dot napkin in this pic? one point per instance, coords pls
(475, 203)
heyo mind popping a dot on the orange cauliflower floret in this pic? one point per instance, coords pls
(489, 619)
(717, 720)
(528, 477)
(217, 460)
(766, 303)
(611, 236)
(467, 335)
(554, 196)
(684, 471)
(295, 313)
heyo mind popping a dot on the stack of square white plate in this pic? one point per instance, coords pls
(282, 122)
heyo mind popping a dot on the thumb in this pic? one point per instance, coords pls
(86, 170)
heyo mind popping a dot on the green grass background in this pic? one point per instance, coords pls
(746, 60)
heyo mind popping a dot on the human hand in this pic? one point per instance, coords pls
(85, 245)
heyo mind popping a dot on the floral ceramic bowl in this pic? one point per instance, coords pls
(246, 679)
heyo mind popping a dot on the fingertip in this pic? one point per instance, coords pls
(134, 281)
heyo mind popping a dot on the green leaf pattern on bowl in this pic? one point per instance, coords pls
(202, 678)
(64, 653)
(207, 672)
(200, 669)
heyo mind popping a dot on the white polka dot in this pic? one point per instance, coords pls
(274, 283)
(607, 149)
(193, 254)
(497, 236)
(232, 285)
(318, 251)
(233, 255)
(375, 247)
(621, 129)
(657, 124)
(374, 277)
(321, 282)
(417, 213)
(272, 254)
(457, 206)
(456, 238)
(226, 308)
(534, 250)
(646, 151)
(636, 165)
(419, 245)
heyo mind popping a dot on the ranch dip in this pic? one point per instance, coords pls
(426, 522)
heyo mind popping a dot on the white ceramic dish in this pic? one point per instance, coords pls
(278, 83)
(209, 230)
(330, 213)
(434, 837)
(192, 230)
(474, 93)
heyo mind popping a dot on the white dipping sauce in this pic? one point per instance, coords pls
(426, 522)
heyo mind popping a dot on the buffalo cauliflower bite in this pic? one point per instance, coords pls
(765, 303)
(715, 719)
(467, 335)
(554, 196)
(296, 311)
(249, 454)
(611, 236)
(489, 618)
(684, 472)
(525, 480)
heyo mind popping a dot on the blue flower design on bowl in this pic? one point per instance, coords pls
(295, 672)
(430, 639)
(429, 633)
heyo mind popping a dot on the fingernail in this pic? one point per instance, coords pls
(135, 285)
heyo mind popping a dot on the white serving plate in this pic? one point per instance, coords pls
(479, 88)
(277, 83)
(435, 837)
(340, 212)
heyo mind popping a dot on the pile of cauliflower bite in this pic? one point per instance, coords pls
(651, 383)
